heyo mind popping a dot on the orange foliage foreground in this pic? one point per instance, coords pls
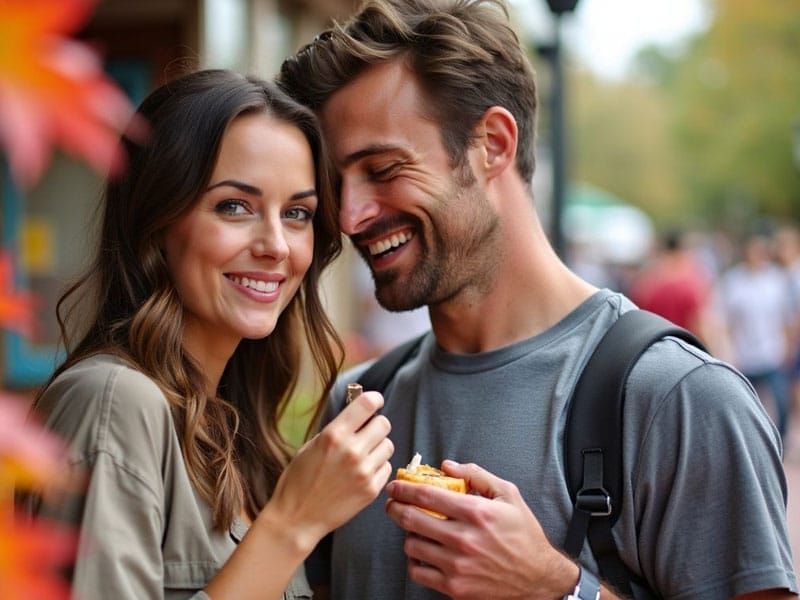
(16, 307)
(53, 91)
(31, 556)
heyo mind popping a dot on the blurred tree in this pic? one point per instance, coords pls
(734, 100)
(702, 136)
(621, 143)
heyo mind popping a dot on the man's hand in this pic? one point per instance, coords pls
(490, 546)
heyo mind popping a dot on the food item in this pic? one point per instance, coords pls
(415, 472)
(354, 390)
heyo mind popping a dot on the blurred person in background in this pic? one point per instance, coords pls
(203, 285)
(787, 251)
(753, 299)
(673, 284)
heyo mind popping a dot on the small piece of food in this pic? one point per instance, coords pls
(428, 475)
(354, 390)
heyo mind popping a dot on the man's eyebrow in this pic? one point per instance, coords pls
(239, 185)
(369, 151)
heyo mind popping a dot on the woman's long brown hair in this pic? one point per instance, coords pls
(233, 450)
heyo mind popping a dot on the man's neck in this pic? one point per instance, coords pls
(529, 293)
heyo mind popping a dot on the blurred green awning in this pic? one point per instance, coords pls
(616, 230)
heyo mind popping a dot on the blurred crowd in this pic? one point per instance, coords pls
(739, 293)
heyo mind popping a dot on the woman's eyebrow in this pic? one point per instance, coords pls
(256, 191)
(240, 185)
(304, 194)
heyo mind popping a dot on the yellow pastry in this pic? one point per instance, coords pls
(428, 475)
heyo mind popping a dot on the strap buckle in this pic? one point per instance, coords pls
(593, 498)
(595, 501)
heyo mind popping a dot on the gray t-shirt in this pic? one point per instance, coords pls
(144, 532)
(704, 479)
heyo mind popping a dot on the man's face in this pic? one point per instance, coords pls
(424, 227)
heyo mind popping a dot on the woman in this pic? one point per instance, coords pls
(206, 274)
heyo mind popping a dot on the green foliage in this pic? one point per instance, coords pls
(619, 141)
(735, 101)
(705, 135)
(295, 419)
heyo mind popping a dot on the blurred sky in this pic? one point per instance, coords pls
(605, 34)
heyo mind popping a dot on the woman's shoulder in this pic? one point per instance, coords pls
(100, 379)
(103, 402)
(99, 367)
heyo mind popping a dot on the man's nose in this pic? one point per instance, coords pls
(357, 206)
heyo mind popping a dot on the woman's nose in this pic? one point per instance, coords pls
(270, 240)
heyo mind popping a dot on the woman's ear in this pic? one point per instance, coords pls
(497, 134)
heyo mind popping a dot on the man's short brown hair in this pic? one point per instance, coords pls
(464, 53)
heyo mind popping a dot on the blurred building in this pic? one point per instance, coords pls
(143, 43)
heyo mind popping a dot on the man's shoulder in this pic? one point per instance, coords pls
(681, 378)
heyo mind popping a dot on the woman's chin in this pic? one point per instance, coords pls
(258, 333)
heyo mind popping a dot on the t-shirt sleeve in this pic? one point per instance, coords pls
(709, 491)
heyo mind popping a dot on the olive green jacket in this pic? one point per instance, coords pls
(143, 530)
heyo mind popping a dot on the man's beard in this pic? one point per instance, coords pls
(450, 258)
(418, 289)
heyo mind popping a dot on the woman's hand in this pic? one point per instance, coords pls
(336, 473)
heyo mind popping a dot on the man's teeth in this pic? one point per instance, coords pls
(255, 284)
(389, 243)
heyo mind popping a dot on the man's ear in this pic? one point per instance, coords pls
(497, 134)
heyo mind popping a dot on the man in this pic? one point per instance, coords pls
(754, 301)
(429, 109)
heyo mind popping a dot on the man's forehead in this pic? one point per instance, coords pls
(377, 89)
(372, 113)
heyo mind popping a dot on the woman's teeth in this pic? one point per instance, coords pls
(255, 284)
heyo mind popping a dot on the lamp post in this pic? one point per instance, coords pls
(558, 138)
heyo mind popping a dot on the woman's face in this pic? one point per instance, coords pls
(238, 256)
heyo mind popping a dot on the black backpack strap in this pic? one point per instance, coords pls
(376, 377)
(593, 438)
(380, 373)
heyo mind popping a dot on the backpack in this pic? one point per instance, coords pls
(592, 439)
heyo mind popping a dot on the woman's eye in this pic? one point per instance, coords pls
(232, 207)
(299, 213)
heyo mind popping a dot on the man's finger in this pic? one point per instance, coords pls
(478, 479)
